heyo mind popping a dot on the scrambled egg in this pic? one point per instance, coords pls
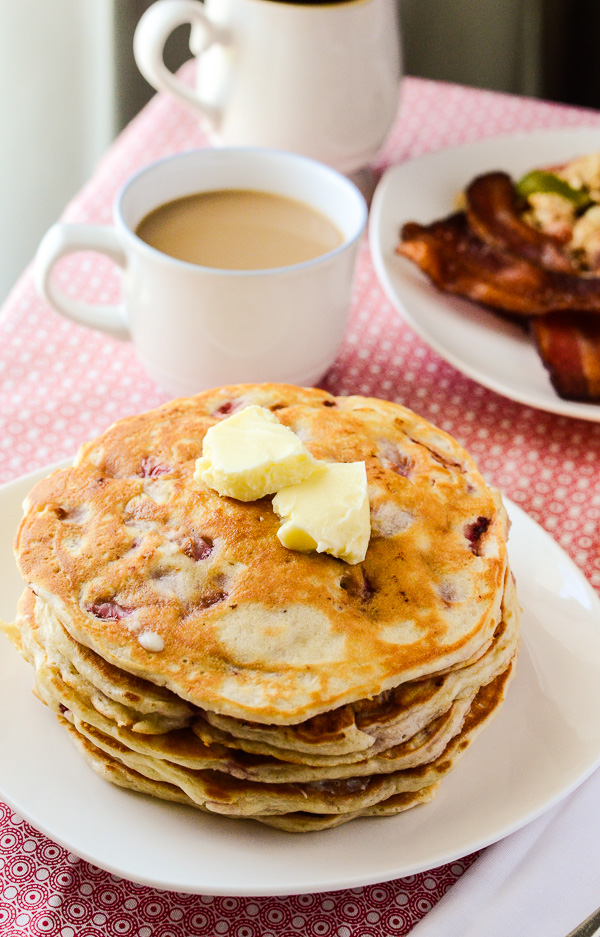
(577, 227)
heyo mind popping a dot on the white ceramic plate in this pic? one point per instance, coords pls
(488, 349)
(544, 742)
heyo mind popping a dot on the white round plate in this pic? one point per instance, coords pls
(544, 742)
(492, 351)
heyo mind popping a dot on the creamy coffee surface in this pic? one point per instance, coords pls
(239, 229)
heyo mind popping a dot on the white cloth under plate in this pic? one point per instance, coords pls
(541, 881)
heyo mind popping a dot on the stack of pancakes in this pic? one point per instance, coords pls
(193, 657)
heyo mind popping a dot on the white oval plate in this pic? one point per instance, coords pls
(544, 742)
(487, 348)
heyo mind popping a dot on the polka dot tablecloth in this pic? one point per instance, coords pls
(61, 384)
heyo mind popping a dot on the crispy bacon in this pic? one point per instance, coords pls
(569, 346)
(496, 216)
(458, 261)
(489, 254)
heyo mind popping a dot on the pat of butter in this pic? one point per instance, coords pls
(251, 454)
(328, 512)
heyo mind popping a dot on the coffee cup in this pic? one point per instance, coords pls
(320, 79)
(196, 325)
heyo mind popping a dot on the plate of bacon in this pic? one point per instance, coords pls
(490, 251)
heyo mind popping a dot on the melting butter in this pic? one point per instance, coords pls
(327, 512)
(251, 454)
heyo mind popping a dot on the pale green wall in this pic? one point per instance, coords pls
(486, 43)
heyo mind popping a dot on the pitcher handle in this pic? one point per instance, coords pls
(151, 34)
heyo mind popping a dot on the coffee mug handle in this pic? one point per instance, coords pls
(151, 34)
(64, 239)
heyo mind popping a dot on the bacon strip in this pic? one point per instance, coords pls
(495, 215)
(490, 255)
(459, 262)
(569, 346)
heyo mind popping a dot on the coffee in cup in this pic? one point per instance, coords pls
(239, 229)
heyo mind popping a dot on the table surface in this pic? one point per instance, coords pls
(61, 384)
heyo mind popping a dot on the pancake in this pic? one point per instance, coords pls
(128, 550)
(189, 749)
(379, 723)
(220, 793)
(367, 726)
(182, 748)
(129, 700)
(192, 657)
(117, 773)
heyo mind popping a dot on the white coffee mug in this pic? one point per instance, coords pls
(320, 79)
(195, 327)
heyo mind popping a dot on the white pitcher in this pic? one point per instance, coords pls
(320, 79)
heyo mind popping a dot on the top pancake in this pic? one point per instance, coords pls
(169, 581)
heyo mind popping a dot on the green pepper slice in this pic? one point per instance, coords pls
(540, 181)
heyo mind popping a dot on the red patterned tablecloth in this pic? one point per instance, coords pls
(61, 384)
